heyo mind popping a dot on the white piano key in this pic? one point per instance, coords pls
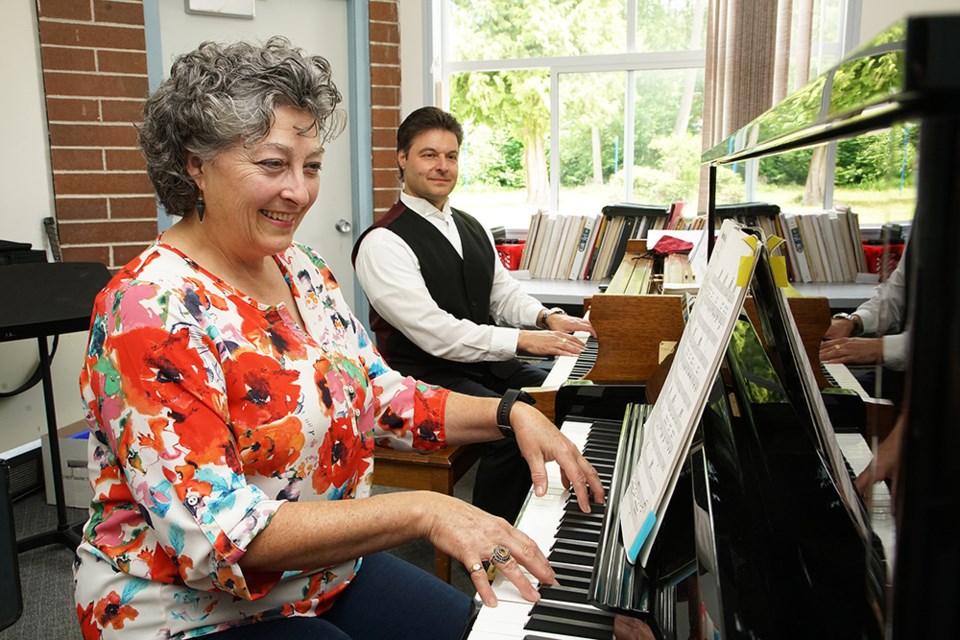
(845, 379)
(563, 365)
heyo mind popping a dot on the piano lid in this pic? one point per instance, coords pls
(893, 77)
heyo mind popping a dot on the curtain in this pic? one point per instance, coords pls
(748, 63)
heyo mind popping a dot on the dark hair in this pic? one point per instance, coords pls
(425, 119)
(221, 95)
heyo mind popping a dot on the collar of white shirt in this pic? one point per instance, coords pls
(426, 209)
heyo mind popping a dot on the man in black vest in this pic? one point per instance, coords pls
(443, 308)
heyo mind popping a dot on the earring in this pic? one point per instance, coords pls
(201, 205)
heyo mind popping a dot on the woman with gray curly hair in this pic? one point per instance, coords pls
(234, 400)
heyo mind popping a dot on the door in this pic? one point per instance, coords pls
(319, 27)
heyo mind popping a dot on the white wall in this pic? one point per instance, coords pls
(877, 15)
(413, 75)
(26, 198)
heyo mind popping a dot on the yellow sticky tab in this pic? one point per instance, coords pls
(791, 292)
(778, 264)
(751, 240)
(743, 273)
(773, 242)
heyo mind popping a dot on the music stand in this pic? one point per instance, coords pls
(47, 299)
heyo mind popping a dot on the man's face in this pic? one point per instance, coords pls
(430, 167)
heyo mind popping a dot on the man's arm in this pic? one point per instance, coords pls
(389, 273)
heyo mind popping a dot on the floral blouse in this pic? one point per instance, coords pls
(207, 412)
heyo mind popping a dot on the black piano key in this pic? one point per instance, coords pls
(567, 557)
(564, 593)
(581, 519)
(571, 627)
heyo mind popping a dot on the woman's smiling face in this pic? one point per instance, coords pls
(257, 194)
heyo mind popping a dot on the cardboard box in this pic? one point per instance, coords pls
(77, 491)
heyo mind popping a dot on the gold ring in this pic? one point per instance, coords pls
(476, 567)
(836, 347)
(563, 341)
(501, 554)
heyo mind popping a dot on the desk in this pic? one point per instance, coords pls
(842, 295)
(560, 292)
(47, 299)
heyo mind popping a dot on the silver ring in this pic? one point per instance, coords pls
(501, 554)
(476, 567)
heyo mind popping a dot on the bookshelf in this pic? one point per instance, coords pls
(925, 49)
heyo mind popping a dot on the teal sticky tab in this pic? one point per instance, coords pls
(645, 530)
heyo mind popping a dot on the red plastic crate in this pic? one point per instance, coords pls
(874, 254)
(510, 255)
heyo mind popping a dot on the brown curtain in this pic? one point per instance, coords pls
(747, 63)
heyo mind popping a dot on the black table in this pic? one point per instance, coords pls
(42, 300)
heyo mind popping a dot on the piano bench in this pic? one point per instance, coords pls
(437, 471)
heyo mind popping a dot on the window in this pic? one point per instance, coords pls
(571, 105)
(618, 84)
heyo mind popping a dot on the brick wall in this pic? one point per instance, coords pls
(95, 78)
(93, 56)
(385, 101)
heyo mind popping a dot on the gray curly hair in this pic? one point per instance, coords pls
(220, 95)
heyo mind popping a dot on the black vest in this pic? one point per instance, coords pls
(459, 286)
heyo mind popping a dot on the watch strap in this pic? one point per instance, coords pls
(506, 404)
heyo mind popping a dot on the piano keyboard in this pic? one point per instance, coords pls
(556, 523)
(573, 367)
(840, 376)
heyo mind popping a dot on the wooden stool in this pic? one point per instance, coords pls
(437, 471)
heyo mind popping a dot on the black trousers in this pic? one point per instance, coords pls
(503, 476)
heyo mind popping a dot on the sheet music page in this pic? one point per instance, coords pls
(669, 428)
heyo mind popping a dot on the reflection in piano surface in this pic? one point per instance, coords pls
(757, 541)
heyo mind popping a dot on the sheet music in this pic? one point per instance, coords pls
(668, 430)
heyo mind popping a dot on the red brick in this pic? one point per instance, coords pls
(99, 254)
(385, 96)
(387, 177)
(385, 75)
(92, 35)
(122, 110)
(107, 232)
(81, 208)
(97, 183)
(384, 32)
(64, 9)
(124, 160)
(121, 12)
(384, 54)
(76, 159)
(92, 135)
(385, 138)
(384, 158)
(73, 110)
(89, 84)
(122, 62)
(385, 117)
(382, 11)
(124, 253)
(385, 198)
(134, 207)
(68, 59)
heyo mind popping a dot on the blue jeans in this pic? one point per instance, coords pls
(388, 598)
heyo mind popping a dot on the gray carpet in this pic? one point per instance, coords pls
(47, 580)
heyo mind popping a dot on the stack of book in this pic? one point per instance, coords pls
(820, 246)
(824, 246)
(571, 247)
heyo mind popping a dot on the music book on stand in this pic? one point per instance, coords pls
(668, 431)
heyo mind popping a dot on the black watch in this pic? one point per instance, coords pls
(506, 404)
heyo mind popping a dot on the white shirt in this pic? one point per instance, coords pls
(389, 273)
(886, 312)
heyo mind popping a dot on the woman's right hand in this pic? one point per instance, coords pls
(470, 535)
